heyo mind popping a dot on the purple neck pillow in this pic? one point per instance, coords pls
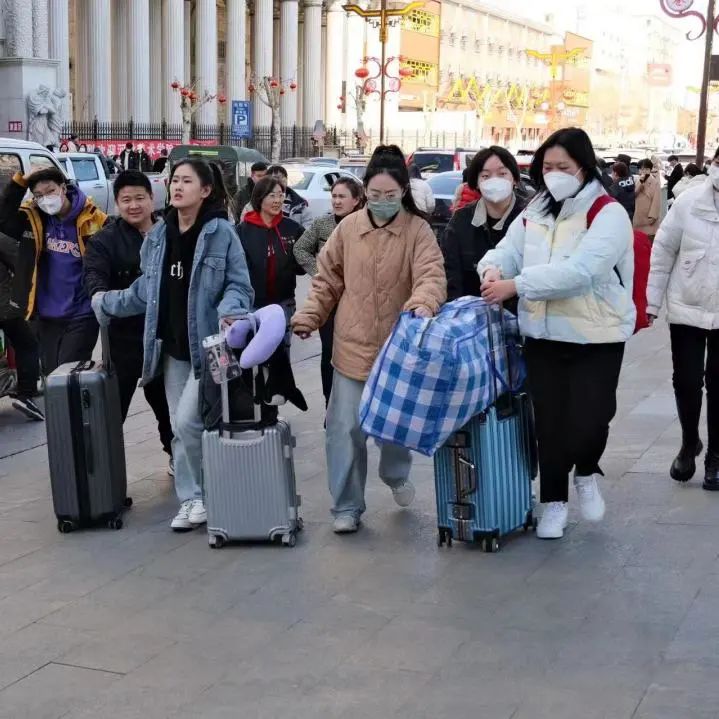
(271, 327)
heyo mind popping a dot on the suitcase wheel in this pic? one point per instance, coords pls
(128, 502)
(490, 545)
(114, 523)
(444, 536)
(216, 541)
(65, 526)
(289, 540)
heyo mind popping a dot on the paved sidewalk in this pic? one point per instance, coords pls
(614, 621)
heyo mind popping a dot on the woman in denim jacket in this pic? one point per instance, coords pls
(194, 274)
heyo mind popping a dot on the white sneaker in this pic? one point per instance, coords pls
(182, 518)
(345, 524)
(591, 504)
(404, 494)
(553, 521)
(198, 514)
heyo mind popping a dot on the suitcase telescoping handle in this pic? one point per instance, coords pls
(224, 390)
(498, 310)
(105, 348)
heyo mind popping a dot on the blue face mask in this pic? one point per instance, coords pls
(384, 209)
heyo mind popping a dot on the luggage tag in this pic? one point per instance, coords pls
(221, 360)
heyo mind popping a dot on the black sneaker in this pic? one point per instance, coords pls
(28, 408)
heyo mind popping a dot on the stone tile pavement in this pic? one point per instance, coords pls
(615, 621)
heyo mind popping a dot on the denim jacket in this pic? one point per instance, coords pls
(219, 287)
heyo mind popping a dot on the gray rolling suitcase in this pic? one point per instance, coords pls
(85, 443)
(249, 477)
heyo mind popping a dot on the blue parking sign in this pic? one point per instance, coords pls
(241, 118)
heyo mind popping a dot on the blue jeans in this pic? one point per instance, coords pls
(346, 447)
(182, 390)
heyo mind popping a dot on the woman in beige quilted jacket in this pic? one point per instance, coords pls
(379, 262)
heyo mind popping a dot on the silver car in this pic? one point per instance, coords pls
(314, 184)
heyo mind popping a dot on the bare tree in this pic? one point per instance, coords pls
(190, 103)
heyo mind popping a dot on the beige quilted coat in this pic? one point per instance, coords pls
(371, 275)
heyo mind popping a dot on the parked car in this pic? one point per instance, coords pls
(92, 175)
(524, 158)
(22, 156)
(313, 183)
(431, 161)
(445, 184)
(357, 165)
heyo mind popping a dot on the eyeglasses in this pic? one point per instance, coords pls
(376, 195)
(276, 195)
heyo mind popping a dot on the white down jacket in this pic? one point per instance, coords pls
(685, 261)
(574, 284)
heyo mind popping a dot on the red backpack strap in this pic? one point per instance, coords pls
(597, 206)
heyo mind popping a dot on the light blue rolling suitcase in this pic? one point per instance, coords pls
(483, 476)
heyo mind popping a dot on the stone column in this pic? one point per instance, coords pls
(173, 58)
(301, 76)
(120, 55)
(206, 58)
(354, 55)
(289, 19)
(262, 57)
(80, 101)
(155, 30)
(276, 40)
(18, 25)
(59, 49)
(236, 85)
(333, 65)
(99, 60)
(188, 40)
(139, 65)
(312, 64)
(40, 43)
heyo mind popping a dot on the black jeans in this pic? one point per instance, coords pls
(327, 336)
(27, 355)
(695, 356)
(126, 353)
(64, 341)
(574, 392)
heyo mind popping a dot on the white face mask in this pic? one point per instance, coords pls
(495, 189)
(50, 204)
(714, 174)
(562, 185)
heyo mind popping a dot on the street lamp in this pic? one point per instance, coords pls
(680, 9)
(382, 18)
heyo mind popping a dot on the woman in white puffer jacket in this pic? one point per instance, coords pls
(685, 271)
(421, 191)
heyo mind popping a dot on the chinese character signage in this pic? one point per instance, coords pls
(241, 119)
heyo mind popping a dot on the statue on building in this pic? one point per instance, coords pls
(44, 115)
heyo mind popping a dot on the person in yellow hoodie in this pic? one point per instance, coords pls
(53, 228)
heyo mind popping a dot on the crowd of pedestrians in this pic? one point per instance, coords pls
(562, 261)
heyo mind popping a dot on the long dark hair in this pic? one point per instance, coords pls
(389, 160)
(210, 175)
(578, 146)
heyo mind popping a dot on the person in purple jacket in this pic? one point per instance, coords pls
(54, 226)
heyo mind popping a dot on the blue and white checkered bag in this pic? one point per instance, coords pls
(433, 375)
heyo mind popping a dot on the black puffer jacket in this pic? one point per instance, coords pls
(468, 237)
(623, 191)
(270, 257)
(112, 262)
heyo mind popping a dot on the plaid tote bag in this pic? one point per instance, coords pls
(433, 375)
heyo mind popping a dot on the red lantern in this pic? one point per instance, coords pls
(274, 83)
(251, 87)
(193, 97)
(361, 73)
(221, 99)
(406, 72)
(340, 107)
(175, 85)
(293, 85)
(184, 92)
(282, 91)
(367, 91)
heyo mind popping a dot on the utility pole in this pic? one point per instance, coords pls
(704, 99)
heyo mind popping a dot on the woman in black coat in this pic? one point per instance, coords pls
(478, 227)
(268, 239)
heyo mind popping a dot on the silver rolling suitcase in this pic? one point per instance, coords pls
(249, 477)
